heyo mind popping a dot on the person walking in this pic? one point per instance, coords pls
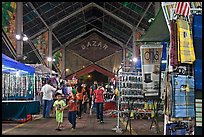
(79, 97)
(99, 99)
(85, 101)
(59, 106)
(47, 99)
(72, 108)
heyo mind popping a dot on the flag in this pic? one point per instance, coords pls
(183, 8)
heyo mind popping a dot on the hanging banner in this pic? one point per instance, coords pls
(9, 21)
(58, 59)
(151, 59)
(41, 43)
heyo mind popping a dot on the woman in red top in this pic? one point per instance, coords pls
(99, 99)
(72, 103)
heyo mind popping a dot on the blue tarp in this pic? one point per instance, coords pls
(11, 63)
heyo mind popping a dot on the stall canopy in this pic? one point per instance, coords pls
(40, 68)
(158, 31)
(11, 63)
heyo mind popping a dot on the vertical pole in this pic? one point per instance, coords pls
(157, 7)
(63, 63)
(19, 29)
(124, 57)
(134, 43)
(50, 50)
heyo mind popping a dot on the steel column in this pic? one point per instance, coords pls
(19, 29)
(50, 48)
(63, 63)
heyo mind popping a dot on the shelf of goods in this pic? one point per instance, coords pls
(18, 86)
(131, 96)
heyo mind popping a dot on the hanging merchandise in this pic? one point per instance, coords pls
(198, 74)
(151, 61)
(173, 44)
(197, 35)
(182, 96)
(185, 43)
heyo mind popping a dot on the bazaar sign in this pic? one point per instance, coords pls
(94, 47)
(94, 43)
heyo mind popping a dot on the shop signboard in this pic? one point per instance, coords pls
(151, 60)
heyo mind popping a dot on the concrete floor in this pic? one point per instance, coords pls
(85, 126)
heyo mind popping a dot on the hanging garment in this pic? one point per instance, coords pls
(185, 43)
(197, 35)
(182, 96)
(173, 44)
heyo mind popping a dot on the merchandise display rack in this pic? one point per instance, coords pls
(130, 96)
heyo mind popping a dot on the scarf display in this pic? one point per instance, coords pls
(173, 44)
(182, 96)
(185, 43)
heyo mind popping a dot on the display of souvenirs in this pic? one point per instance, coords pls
(17, 87)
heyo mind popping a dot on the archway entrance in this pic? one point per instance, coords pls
(94, 76)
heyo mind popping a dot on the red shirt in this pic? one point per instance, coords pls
(72, 104)
(99, 96)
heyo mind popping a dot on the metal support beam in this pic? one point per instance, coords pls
(113, 16)
(133, 43)
(157, 7)
(19, 29)
(94, 29)
(124, 55)
(137, 26)
(49, 28)
(50, 48)
(63, 63)
(37, 34)
(72, 14)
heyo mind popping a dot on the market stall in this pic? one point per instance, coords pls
(17, 90)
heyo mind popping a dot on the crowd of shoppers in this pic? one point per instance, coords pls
(77, 98)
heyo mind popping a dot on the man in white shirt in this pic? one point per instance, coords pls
(47, 98)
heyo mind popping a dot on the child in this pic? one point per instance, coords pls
(59, 106)
(72, 103)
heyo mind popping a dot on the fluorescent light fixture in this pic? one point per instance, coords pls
(17, 73)
(49, 59)
(135, 59)
(18, 37)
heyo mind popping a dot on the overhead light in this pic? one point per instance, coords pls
(89, 76)
(17, 73)
(18, 37)
(67, 69)
(135, 59)
(49, 59)
(25, 38)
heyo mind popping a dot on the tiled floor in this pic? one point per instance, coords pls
(88, 125)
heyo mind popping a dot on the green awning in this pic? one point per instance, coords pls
(158, 31)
